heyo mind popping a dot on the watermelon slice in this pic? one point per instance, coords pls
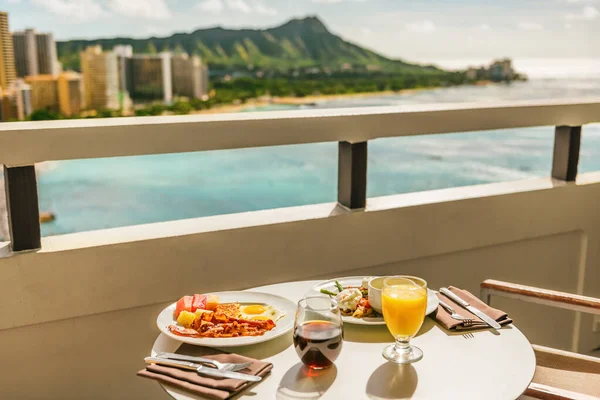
(183, 304)
(199, 302)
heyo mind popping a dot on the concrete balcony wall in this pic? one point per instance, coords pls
(83, 309)
(78, 316)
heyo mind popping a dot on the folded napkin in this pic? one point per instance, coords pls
(204, 386)
(443, 317)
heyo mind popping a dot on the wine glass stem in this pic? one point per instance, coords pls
(402, 345)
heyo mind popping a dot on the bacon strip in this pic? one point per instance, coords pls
(218, 325)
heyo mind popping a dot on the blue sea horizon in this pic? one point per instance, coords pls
(112, 192)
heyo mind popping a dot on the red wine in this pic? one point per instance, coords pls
(318, 343)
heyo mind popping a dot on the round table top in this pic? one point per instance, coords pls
(492, 365)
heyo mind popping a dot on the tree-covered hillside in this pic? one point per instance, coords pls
(298, 43)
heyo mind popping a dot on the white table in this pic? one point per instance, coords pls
(489, 366)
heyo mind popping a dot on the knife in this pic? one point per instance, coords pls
(471, 309)
(202, 370)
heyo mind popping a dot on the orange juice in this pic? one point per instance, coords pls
(404, 308)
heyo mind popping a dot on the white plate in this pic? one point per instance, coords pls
(432, 300)
(284, 325)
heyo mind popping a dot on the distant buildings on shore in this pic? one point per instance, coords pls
(35, 53)
(59, 93)
(31, 77)
(497, 71)
(100, 78)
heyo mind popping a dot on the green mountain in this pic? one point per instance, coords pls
(298, 43)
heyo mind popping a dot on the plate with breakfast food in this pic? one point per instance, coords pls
(227, 319)
(359, 298)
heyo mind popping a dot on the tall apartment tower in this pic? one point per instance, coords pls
(7, 59)
(46, 54)
(26, 57)
(35, 53)
(100, 78)
(149, 77)
(123, 52)
(189, 76)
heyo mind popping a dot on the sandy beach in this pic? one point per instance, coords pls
(298, 101)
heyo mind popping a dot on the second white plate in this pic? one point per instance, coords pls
(432, 300)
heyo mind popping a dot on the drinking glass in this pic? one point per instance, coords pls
(404, 301)
(318, 332)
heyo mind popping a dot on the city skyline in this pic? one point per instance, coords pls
(419, 31)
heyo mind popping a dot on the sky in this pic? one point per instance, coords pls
(423, 31)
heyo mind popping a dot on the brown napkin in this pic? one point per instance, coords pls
(443, 317)
(204, 386)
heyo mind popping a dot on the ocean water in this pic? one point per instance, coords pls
(112, 192)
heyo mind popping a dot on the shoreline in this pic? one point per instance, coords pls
(311, 100)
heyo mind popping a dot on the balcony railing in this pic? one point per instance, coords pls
(97, 293)
(24, 144)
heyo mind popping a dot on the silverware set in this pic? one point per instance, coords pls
(467, 322)
(198, 364)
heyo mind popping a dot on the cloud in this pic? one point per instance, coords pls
(425, 26)
(366, 32)
(484, 27)
(149, 9)
(581, 1)
(588, 13)
(244, 6)
(530, 26)
(239, 5)
(263, 9)
(80, 10)
(336, 1)
(212, 6)
(14, 1)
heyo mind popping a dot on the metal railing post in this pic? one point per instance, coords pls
(22, 208)
(352, 175)
(567, 141)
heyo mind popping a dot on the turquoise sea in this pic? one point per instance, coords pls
(112, 192)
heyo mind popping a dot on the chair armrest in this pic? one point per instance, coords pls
(531, 294)
(538, 391)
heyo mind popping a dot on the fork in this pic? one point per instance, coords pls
(468, 335)
(218, 365)
(454, 315)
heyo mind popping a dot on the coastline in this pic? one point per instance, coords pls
(301, 101)
(313, 100)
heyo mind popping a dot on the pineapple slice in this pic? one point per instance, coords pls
(186, 318)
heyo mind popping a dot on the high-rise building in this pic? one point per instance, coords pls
(123, 52)
(44, 92)
(46, 54)
(15, 102)
(69, 93)
(188, 76)
(26, 57)
(100, 78)
(7, 60)
(60, 93)
(149, 77)
(35, 53)
(204, 80)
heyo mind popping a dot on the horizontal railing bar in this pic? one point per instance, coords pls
(25, 143)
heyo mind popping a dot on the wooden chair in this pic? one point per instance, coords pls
(559, 375)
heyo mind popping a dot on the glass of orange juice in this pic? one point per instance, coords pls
(404, 301)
